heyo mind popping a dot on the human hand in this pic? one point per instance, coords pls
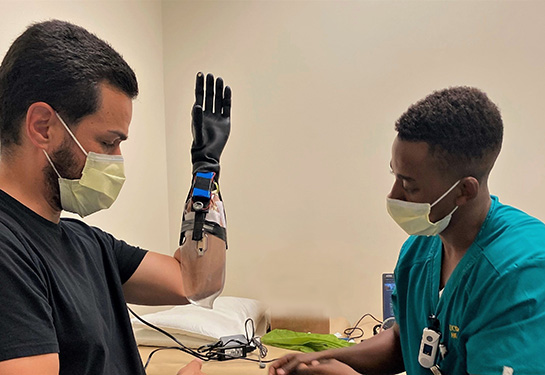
(290, 363)
(325, 367)
(211, 126)
(192, 368)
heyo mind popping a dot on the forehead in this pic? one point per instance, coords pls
(114, 112)
(413, 160)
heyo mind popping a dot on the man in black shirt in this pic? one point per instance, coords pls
(65, 107)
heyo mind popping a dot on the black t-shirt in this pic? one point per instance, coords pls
(60, 292)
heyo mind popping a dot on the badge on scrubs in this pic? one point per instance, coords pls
(428, 347)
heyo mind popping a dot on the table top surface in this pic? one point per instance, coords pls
(169, 362)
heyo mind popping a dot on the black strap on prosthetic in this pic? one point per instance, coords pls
(201, 195)
(209, 227)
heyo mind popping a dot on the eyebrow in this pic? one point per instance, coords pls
(121, 135)
(406, 178)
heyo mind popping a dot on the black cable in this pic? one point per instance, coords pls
(157, 350)
(254, 339)
(207, 352)
(349, 331)
(181, 346)
(155, 327)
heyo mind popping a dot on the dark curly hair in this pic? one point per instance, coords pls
(63, 65)
(461, 126)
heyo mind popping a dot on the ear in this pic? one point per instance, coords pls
(39, 119)
(470, 189)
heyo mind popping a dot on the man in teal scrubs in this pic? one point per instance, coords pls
(470, 295)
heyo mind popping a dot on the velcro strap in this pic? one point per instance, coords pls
(199, 224)
(208, 226)
(203, 183)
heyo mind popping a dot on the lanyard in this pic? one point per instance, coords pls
(430, 344)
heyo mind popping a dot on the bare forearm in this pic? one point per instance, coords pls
(157, 281)
(380, 354)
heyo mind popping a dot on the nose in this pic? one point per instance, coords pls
(397, 191)
(117, 151)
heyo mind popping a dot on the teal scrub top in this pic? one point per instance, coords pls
(492, 310)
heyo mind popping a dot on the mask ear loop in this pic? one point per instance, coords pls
(444, 195)
(70, 132)
(51, 163)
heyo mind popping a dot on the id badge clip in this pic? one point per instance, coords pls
(429, 344)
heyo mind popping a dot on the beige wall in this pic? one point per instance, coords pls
(133, 29)
(317, 88)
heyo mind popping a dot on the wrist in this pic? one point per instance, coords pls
(206, 167)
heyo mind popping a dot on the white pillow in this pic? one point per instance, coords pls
(194, 326)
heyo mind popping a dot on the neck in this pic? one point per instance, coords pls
(466, 223)
(462, 231)
(25, 182)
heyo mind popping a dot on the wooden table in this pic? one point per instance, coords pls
(168, 362)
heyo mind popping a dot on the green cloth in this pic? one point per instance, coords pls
(303, 342)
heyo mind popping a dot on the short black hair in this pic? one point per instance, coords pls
(63, 65)
(462, 127)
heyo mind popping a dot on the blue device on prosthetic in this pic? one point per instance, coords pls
(201, 193)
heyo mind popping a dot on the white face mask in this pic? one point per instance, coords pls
(100, 183)
(414, 218)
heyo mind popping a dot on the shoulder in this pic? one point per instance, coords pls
(14, 244)
(503, 216)
(510, 238)
(81, 232)
(78, 228)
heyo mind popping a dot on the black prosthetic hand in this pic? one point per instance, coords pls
(203, 251)
(210, 126)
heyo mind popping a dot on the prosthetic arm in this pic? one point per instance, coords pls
(203, 238)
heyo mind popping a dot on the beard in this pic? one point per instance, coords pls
(66, 162)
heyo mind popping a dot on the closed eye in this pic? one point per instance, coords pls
(109, 144)
(410, 190)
